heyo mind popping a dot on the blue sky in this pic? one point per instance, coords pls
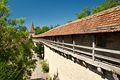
(49, 12)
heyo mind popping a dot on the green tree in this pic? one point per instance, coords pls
(15, 54)
(15, 48)
(4, 12)
(54, 26)
(44, 29)
(22, 28)
(39, 49)
(38, 30)
(85, 12)
(51, 27)
(19, 23)
(105, 5)
(69, 21)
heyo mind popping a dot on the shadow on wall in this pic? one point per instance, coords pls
(56, 77)
(103, 73)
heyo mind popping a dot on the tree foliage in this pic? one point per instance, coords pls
(39, 47)
(44, 29)
(15, 48)
(105, 5)
(85, 12)
(15, 54)
(54, 26)
(4, 10)
(38, 30)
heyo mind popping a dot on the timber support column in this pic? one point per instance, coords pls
(73, 41)
(93, 47)
(63, 41)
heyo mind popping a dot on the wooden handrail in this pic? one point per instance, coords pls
(68, 44)
(60, 45)
(86, 47)
(108, 50)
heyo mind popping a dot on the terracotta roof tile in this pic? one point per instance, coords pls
(105, 21)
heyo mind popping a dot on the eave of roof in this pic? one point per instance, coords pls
(105, 21)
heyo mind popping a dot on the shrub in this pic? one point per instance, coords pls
(39, 49)
(45, 66)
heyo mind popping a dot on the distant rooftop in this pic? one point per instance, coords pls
(105, 21)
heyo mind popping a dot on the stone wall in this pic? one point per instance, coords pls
(67, 69)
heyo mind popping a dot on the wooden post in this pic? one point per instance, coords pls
(93, 46)
(63, 41)
(100, 70)
(57, 39)
(73, 41)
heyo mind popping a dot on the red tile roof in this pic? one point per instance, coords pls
(105, 21)
(32, 28)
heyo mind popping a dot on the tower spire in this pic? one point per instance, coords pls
(32, 28)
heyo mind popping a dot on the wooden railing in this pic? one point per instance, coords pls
(109, 62)
(62, 45)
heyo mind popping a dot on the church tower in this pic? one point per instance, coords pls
(31, 30)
